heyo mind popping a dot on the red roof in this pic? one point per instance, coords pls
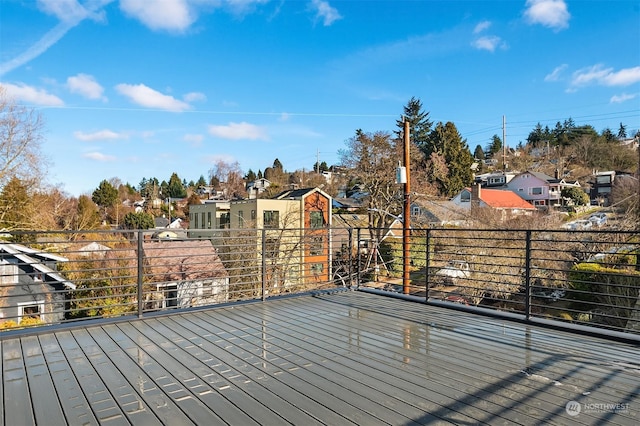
(501, 199)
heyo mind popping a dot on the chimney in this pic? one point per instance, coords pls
(475, 196)
(557, 174)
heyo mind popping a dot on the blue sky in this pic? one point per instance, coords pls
(145, 88)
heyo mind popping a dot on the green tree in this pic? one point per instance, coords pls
(494, 146)
(139, 220)
(419, 124)
(622, 131)
(478, 154)
(16, 207)
(201, 182)
(175, 188)
(445, 140)
(87, 214)
(105, 195)
(250, 176)
(576, 196)
(277, 165)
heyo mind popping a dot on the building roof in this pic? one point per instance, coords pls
(296, 193)
(178, 260)
(503, 199)
(34, 258)
(350, 220)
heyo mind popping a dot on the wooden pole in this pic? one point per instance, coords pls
(406, 215)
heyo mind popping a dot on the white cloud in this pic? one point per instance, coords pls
(618, 99)
(85, 85)
(216, 158)
(599, 75)
(194, 97)
(72, 10)
(70, 13)
(325, 11)
(490, 43)
(105, 134)
(98, 156)
(193, 140)
(237, 131)
(549, 13)
(168, 15)
(31, 95)
(481, 26)
(555, 74)
(147, 97)
(285, 116)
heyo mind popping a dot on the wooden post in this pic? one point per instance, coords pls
(406, 215)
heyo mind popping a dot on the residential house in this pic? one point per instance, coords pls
(257, 187)
(505, 203)
(494, 179)
(185, 273)
(602, 184)
(540, 189)
(306, 215)
(208, 216)
(438, 213)
(30, 286)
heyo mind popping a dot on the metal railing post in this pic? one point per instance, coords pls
(140, 274)
(264, 264)
(358, 282)
(350, 256)
(427, 260)
(527, 276)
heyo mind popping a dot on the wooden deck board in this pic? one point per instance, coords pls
(340, 359)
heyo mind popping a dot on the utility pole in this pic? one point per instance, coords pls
(317, 160)
(504, 143)
(406, 215)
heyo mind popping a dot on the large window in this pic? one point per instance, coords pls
(316, 247)
(465, 197)
(240, 219)
(536, 191)
(271, 219)
(33, 310)
(316, 219)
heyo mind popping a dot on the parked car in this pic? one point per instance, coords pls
(578, 225)
(598, 219)
(452, 272)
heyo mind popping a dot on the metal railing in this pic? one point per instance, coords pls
(572, 278)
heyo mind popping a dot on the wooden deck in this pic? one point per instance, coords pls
(334, 359)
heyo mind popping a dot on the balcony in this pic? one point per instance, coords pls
(282, 345)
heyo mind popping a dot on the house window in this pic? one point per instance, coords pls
(316, 247)
(33, 310)
(465, 197)
(169, 294)
(253, 215)
(317, 268)
(225, 220)
(208, 220)
(203, 222)
(271, 218)
(316, 219)
(415, 211)
(240, 219)
(603, 179)
(539, 203)
(536, 191)
(195, 221)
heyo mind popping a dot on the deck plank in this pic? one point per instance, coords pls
(17, 395)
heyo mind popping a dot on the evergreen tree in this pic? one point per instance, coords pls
(478, 154)
(445, 140)
(622, 132)
(175, 188)
(419, 124)
(277, 165)
(139, 220)
(250, 176)
(494, 146)
(87, 215)
(201, 182)
(105, 195)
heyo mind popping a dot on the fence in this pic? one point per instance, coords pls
(571, 277)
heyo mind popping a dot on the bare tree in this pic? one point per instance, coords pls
(230, 176)
(20, 138)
